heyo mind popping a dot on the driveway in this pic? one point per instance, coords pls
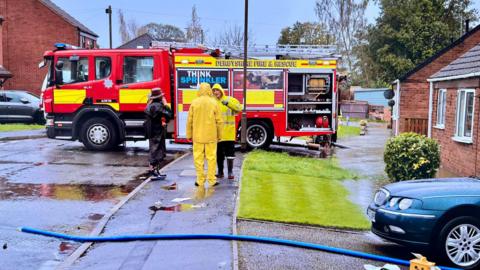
(364, 155)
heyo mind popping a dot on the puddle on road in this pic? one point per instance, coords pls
(95, 217)
(82, 192)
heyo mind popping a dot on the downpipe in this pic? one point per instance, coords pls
(228, 237)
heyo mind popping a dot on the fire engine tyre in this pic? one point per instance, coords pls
(98, 134)
(259, 135)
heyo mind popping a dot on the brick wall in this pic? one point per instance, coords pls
(415, 89)
(29, 30)
(457, 157)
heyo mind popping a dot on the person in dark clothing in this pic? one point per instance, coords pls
(158, 113)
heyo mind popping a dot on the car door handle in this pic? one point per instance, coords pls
(124, 86)
(87, 87)
(9, 107)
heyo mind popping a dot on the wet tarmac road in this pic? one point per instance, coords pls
(363, 155)
(59, 186)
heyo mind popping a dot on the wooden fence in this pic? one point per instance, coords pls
(417, 125)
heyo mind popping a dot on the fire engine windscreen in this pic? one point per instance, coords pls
(74, 69)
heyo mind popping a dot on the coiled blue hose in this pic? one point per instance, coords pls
(247, 238)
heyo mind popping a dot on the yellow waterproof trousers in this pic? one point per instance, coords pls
(208, 151)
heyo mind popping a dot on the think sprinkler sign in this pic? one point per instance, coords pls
(190, 79)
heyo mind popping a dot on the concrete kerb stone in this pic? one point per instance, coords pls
(234, 220)
(22, 135)
(67, 263)
(331, 229)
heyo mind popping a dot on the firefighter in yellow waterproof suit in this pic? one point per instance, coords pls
(229, 107)
(204, 128)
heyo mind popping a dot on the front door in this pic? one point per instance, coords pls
(103, 90)
(137, 80)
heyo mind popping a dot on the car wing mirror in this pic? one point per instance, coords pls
(24, 100)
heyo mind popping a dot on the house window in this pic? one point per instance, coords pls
(465, 106)
(441, 107)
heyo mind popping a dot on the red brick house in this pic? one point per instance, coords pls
(454, 117)
(410, 112)
(30, 28)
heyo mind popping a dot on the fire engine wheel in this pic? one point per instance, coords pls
(98, 134)
(258, 135)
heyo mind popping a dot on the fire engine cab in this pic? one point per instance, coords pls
(98, 96)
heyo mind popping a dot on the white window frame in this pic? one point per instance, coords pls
(459, 129)
(441, 108)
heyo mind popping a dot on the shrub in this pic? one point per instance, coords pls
(411, 156)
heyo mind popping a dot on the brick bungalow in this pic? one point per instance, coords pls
(30, 28)
(410, 112)
(454, 118)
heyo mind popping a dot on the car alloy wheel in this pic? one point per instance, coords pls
(463, 245)
(256, 135)
(98, 134)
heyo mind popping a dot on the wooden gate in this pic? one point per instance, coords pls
(417, 125)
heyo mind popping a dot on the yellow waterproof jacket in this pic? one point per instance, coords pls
(204, 123)
(229, 111)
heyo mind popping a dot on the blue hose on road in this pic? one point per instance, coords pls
(266, 240)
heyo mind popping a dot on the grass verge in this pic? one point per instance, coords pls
(19, 127)
(278, 187)
(348, 131)
(353, 119)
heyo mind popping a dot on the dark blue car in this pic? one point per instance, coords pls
(441, 215)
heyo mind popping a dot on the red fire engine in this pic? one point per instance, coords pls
(98, 96)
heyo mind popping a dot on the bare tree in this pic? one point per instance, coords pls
(124, 34)
(232, 35)
(133, 29)
(195, 32)
(128, 30)
(344, 18)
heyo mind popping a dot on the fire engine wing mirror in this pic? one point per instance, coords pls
(59, 73)
(42, 64)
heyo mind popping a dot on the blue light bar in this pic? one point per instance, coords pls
(65, 46)
(60, 46)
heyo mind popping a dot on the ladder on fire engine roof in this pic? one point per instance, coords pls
(254, 51)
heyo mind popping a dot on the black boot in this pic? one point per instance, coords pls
(220, 171)
(230, 168)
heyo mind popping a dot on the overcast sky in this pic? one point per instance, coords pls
(267, 17)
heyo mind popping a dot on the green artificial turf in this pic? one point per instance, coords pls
(19, 127)
(279, 187)
(348, 131)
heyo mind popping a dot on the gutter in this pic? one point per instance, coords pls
(463, 76)
(430, 110)
(397, 103)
